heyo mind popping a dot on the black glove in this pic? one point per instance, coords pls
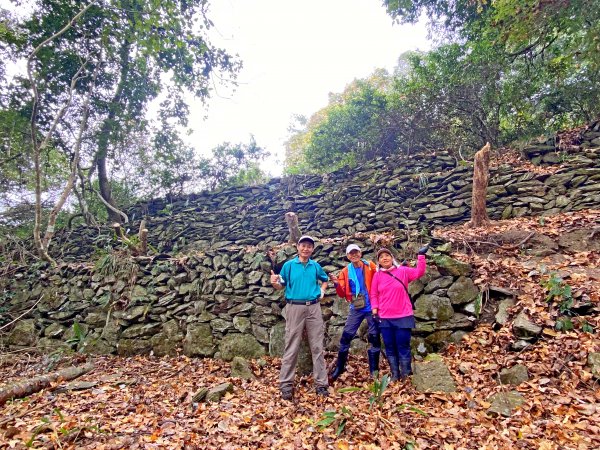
(423, 250)
(376, 318)
(404, 263)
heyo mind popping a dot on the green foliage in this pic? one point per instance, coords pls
(478, 304)
(64, 431)
(232, 165)
(586, 327)
(412, 408)
(558, 292)
(564, 324)
(493, 79)
(338, 419)
(310, 192)
(127, 54)
(78, 337)
(377, 388)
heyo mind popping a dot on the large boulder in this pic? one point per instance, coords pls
(168, 340)
(199, 340)
(462, 291)
(277, 346)
(450, 266)
(237, 344)
(432, 375)
(24, 334)
(432, 307)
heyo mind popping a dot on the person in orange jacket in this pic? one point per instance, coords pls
(353, 283)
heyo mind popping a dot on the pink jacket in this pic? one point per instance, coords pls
(388, 296)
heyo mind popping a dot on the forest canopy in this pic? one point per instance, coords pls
(502, 72)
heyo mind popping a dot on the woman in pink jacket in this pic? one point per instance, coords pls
(390, 302)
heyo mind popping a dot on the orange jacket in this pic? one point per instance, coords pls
(343, 285)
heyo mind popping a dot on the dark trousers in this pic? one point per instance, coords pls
(353, 321)
(397, 346)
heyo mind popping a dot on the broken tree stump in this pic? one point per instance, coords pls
(30, 386)
(481, 176)
(292, 222)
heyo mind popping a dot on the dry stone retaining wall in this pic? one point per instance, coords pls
(217, 300)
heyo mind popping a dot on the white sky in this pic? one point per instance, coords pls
(295, 53)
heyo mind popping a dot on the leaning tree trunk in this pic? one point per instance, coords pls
(481, 176)
(100, 160)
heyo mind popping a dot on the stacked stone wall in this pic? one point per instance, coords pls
(206, 291)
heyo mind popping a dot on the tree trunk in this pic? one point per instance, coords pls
(106, 132)
(292, 222)
(30, 386)
(481, 176)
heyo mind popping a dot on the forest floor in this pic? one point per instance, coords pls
(146, 402)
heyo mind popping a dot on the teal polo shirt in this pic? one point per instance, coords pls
(301, 281)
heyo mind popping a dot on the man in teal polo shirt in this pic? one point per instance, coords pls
(304, 281)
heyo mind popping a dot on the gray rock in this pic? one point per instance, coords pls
(450, 266)
(524, 328)
(216, 393)
(54, 330)
(462, 291)
(439, 283)
(438, 339)
(239, 281)
(240, 368)
(244, 345)
(432, 307)
(514, 375)
(503, 307)
(503, 403)
(242, 324)
(130, 347)
(221, 325)
(457, 321)
(594, 363)
(136, 312)
(432, 375)
(199, 340)
(139, 330)
(23, 334)
(168, 341)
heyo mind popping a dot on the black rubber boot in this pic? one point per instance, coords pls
(340, 367)
(373, 362)
(405, 367)
(394, 367)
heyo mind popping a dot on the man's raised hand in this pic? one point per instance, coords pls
(274, 278)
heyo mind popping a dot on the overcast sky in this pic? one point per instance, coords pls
(295, 54)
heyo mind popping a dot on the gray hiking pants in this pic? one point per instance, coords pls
(300, 318)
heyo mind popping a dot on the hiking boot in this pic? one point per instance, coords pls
(287, 395)
(373, 363)
(323, 391)
(340, 366)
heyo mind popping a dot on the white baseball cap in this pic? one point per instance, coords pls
(352, 247)
(306, 238)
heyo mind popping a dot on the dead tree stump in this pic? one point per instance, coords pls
(292, 222)
(481, 176)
